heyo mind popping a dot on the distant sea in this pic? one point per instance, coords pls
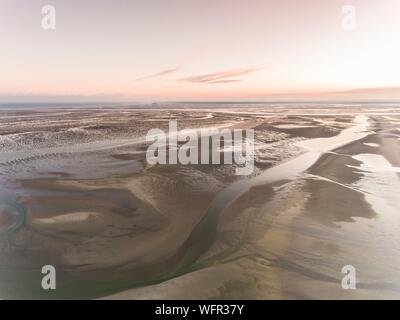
(190, 104)
(30, 105)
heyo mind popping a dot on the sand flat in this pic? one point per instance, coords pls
(319, 197)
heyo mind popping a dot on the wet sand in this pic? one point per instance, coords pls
(117, 228)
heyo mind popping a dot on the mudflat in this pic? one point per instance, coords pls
(320, 197)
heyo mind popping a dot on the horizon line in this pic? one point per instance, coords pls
(201, 102)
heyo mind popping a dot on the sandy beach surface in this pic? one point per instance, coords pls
(77, 193)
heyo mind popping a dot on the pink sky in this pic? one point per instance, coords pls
(200, 50)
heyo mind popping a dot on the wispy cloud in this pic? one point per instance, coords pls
(224, 81)
(158, 74)
(373, 90)
(220, 77)
(358, 94)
